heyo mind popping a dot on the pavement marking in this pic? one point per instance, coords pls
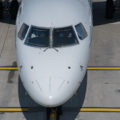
(14, 109)
(37, 109)
(8, 68)
(100, 109)
(89, 68)
(103, 68)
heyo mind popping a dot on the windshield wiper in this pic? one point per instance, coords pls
(46, 49)
(50, 48)
(56, 49)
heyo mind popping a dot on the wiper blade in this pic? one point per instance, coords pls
(49, 48)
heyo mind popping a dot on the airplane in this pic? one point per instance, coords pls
(53, 40)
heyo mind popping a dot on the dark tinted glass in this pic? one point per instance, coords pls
(81, 31)
(23, 31)
(38, 37)
(64, 37)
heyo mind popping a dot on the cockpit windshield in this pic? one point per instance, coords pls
(56, 37)
(64, 37)
(38, 37)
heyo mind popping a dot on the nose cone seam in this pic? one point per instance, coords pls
(61, 85)
(49, 90)
(38, 85)
(50, 84)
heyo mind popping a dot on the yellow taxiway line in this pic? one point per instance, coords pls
(8, 68)
(103, 68)
(100, 109)
(81, 109)
(14, 109)
(89, 68)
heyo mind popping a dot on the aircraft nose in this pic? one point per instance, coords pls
(52, 91)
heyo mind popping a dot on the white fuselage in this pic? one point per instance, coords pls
(52, 76)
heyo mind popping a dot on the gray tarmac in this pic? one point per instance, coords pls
(103, 87)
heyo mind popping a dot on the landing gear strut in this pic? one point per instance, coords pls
(52, 114)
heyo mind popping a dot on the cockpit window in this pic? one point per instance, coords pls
(82, 34)
(23, 31)
(38, 37)
(64, 37)
(56, 37)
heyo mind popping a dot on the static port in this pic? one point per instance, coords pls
(31, 67)
(69, 67)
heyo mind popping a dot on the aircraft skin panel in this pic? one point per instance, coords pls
(72, 10)
(52, 76)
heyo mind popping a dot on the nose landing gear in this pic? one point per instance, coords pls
(52, 114)
(70, 109)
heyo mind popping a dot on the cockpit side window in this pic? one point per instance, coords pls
(23, 31)
(82, 33)
(38, 37)
(64, 37)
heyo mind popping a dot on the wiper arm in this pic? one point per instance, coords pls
(46, 49)
(49, 48)
(56, 49)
